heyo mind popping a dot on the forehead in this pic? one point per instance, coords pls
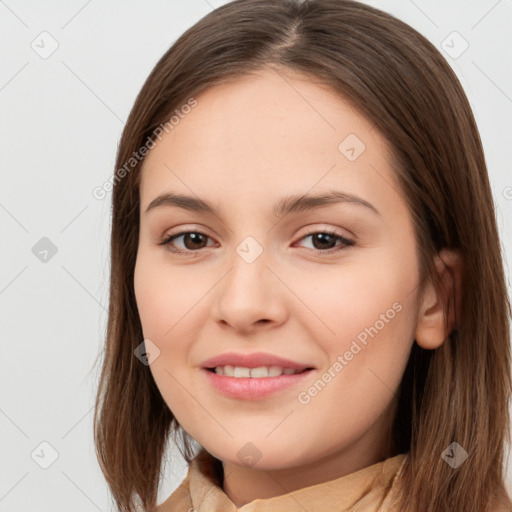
(252, 109)
(268, 129)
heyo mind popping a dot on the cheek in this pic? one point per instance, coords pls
(165, 294)
(150, 294)
(366, 331)
(168, 300)
(367, 312)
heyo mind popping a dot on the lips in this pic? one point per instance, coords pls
(254, 360)
(253, 376)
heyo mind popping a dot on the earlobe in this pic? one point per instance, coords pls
(432, 328)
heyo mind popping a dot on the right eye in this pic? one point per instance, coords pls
(191, 241)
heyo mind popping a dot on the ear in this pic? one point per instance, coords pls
(431, 331)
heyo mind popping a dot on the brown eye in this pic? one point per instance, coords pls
(326, 241)
(194, 240)
(191, 241)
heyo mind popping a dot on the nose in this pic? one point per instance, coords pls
(250, 297)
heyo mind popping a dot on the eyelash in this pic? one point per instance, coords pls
(345, 242)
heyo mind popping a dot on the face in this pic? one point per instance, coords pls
(328, 285)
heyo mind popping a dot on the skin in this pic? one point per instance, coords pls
(247, 144)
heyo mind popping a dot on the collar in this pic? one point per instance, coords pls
(371, 489)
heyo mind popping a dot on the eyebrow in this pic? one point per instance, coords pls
(290, 204)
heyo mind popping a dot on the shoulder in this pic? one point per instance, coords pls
(178, 501)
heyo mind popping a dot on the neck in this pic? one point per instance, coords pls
(245, 484)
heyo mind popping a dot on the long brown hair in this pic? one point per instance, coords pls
(400, 82)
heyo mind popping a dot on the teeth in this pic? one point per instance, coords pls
(262, 371)
(255, 373)
(241, 372)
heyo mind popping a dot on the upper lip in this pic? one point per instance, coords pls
(254, 360)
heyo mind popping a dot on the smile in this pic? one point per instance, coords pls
(243, 385)
(255, 373)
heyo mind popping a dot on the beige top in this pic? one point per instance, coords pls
(371, 489)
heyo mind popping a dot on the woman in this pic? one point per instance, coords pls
(373, 374)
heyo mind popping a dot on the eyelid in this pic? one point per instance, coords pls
(326, 228)
(183, 229)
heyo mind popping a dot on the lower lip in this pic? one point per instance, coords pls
(248, 388)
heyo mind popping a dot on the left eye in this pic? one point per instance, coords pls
(194, 240)
(326, 238)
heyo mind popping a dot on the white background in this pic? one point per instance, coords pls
(61, 120)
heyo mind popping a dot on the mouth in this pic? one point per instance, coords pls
(251, 384)
(260, 372)
(253, 376)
